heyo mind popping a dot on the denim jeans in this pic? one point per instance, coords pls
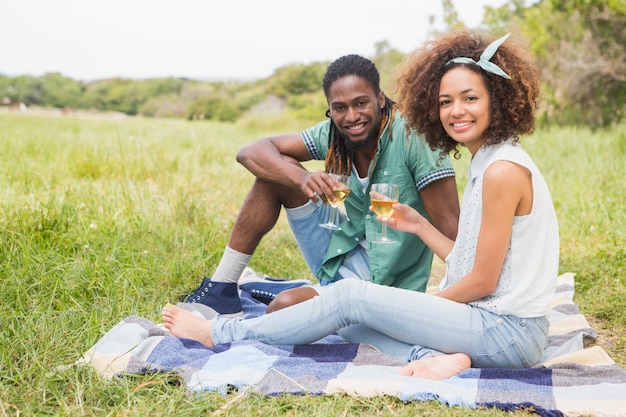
(313, 241)
(407, 324)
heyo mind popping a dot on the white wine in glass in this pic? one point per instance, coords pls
(383, 197)
(341, 192)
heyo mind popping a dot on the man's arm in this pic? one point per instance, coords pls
(441, 200)
(276, 159)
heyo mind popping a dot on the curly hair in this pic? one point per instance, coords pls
(338, 158)
(513, 102)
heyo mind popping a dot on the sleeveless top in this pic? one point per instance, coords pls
(528, 278)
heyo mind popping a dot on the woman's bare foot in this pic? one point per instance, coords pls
(438, 367)
(184, 324)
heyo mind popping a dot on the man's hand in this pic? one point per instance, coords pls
(318, 185)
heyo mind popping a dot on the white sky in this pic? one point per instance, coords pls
(206, 39)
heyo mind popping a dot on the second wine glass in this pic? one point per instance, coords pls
(383, 197)
(341, 191)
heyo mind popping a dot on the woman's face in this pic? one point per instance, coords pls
(464, 107)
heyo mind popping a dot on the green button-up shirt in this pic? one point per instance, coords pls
(407, 161)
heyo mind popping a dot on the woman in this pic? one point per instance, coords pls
(492, 307)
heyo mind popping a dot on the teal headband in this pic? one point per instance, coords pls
(484, 62)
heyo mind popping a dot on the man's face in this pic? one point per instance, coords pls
(356, 110)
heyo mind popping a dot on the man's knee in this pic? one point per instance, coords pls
(291, 297)
(264, 192)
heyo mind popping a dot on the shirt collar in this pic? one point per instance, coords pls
(481, 159)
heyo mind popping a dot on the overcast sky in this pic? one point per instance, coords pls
(205, 39)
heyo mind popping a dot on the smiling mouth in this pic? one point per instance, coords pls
(357, 127)
(460, 125)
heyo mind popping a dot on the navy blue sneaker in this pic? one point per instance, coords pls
(264, 288)
(222, 297)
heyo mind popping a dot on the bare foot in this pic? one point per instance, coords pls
(184, 324)
(438, 367)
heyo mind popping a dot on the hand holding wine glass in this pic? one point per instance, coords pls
(340, 191)
(383, 197)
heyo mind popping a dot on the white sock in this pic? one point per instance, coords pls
(231, 266)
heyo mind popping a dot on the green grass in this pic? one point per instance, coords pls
(586, 173)
(103, 218)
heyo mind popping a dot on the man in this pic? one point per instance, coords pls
(366, 138)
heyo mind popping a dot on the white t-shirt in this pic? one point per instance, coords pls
(528, 278)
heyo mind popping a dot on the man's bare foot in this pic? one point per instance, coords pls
(184, 324)
(438, 367)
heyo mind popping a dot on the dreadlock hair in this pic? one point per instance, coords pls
(338, 158)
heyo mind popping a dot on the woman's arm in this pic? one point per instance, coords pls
(407, 219)
(507, 192)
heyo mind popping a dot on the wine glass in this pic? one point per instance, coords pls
(383, 197)
(341, 191)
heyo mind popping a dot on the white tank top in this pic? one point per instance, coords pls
(528, 278)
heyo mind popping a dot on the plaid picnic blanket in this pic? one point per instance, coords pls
(571, 380)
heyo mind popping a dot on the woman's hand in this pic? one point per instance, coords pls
(405, 218)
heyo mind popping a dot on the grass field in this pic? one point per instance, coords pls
(102, 218)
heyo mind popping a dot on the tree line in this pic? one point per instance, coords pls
(579, 46)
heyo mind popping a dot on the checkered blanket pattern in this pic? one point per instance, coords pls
(575, 377)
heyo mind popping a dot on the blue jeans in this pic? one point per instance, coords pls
(407, 324)
(313, 241)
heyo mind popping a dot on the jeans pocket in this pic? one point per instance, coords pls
(508, 356)
(513, 342)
